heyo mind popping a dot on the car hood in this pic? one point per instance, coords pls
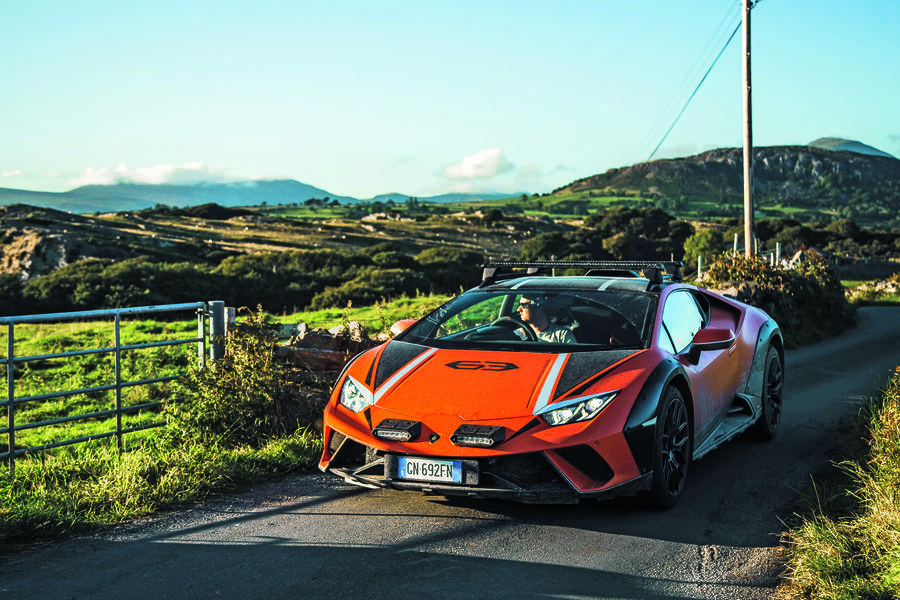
(418, 381)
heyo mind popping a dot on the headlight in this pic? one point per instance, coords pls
(579, 409)
(355, 396)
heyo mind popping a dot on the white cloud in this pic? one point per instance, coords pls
(481, 165)
(11, 173)
(193, 172)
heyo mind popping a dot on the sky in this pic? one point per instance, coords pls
(423, 98)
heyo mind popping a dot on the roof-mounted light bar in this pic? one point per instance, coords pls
(652, 270)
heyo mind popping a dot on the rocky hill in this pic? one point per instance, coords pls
(851, 184)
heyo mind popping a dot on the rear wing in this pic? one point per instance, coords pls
(654, 271)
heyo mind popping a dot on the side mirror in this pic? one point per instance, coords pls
(710, 339)
(713, 339)
(401, 326)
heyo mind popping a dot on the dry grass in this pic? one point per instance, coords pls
(856, 552)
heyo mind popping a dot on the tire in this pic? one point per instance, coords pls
(773, 394)
(671, 448)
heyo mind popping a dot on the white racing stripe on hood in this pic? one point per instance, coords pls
(387, 385)
(550, 383)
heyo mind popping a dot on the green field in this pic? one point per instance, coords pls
(50, 375)
(376, 318)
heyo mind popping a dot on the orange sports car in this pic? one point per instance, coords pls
(541, 387)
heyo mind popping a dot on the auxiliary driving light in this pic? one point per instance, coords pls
(481, 436)
(395, 430)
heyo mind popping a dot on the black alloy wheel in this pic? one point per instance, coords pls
(671, 448)
(773, 394)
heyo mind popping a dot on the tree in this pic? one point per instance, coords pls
(492, 217)
(707, 243)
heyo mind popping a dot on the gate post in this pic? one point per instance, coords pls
(11, 396)
(216, 329)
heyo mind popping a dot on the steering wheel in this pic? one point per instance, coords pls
(515, 323)
(624, 334)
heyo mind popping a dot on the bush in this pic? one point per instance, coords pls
(450, 269)
(617, 234)
(102, 283)
(244, 398)
(807, 302)
(10, 290)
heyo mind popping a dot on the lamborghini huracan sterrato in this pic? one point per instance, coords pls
(541, 387)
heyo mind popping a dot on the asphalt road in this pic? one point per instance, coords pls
(314, 537)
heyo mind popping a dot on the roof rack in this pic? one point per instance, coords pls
(655, 271)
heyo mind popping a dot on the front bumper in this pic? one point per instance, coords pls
(532, 478)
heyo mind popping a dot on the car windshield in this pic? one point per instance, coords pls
(565, 320)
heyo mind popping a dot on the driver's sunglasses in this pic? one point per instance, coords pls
(525, 305)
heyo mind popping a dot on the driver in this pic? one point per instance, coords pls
(531, 311)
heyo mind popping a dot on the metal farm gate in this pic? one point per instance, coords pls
(211, 313)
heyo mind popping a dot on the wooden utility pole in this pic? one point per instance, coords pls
(749, 246)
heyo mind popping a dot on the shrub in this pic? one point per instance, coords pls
(807, 301)
(244, 398)
(620, 233)
(10, 290)
(449, 269)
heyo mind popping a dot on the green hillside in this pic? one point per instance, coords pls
(803, 182)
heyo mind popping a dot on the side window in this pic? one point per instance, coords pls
(681, 320)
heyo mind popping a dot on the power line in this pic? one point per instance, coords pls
(694, 93)
(753, 4)
(715, 39)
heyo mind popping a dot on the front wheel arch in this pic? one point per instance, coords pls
(639, 427)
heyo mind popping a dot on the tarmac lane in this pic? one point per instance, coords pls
(314, 536)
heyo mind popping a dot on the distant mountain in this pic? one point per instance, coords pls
(444, 198)
(839, 144)
(137, 196)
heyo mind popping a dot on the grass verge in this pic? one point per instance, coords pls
(850, 546)
(86, 489)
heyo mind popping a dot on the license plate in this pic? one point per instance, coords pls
(429, 469)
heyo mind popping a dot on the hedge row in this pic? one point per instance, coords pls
(278, 281)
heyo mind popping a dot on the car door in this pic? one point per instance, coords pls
(712, 375)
